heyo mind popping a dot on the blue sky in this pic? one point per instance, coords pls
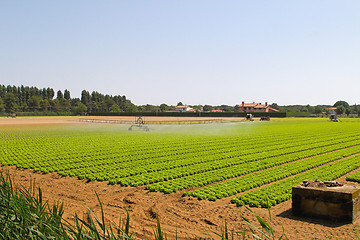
(197, 52)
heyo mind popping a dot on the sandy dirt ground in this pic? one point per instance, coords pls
(187, 217)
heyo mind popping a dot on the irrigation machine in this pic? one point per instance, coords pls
(334, 118)
(139, 123)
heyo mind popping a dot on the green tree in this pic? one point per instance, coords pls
(342, 103)
(274, 105)
(10, 103)
(318, 109)
(340, 109)
(59, 95)
(65, 104)
(79, 109)
(179, 104)
(348, 111)
(164, 107)
(85, 97)
(44, 105)
(131, 108)
(54, 105)
(310, 109)
(208, 108)
(34, 103)
(67, 94)
(226, 108)
(355, 109)
(1, 105)
(102, 106)
(93, 107)
(50, 93)
(115, 108)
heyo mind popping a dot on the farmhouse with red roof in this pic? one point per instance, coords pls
(256, 107)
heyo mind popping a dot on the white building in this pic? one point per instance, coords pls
(184, 108)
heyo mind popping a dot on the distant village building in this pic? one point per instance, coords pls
(216, 110)
(332, 110)
(184, 108)
(256, 107)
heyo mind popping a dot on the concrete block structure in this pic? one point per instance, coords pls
(339, 203)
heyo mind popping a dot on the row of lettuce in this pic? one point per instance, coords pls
(218, 165)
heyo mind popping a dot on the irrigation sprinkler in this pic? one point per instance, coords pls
(139, 123)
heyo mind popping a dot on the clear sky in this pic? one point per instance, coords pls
(197, 52)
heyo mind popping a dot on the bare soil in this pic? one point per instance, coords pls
(187, 217)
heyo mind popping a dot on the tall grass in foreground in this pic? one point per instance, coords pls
(24, 215)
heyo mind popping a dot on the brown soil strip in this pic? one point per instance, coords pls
(191, 218)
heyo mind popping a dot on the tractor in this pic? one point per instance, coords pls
(249, 117)
(333, 118)
(265, 118)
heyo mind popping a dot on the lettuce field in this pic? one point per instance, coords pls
(252, 163)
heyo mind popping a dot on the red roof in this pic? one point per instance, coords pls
(258, 106)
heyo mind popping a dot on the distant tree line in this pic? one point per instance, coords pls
(15, 99)
(32, 99)
(342, 107)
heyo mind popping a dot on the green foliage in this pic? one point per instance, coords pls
(44, 105)
(355, 177)
(219, 165)
(266, 231)
(10, 103)
(32, 99)
(340, 109)
(342, 103)
(348, 111)
(159, 235)
(281, 191)
(67, 94)
(318, 109)
(34, 103)
(208, 108)
(79, 109)
(25, 216)
(1, 105)
(258, 179)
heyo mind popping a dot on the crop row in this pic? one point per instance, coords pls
(204, 160)
(40, 157)
(355, 177)
(206, 178)
(55, 157)
(247, 182)
(281, 191)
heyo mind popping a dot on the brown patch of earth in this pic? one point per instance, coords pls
(187, 217)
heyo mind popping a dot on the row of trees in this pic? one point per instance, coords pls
(31, 99)
(342, 107)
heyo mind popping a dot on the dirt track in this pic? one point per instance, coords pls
(192, 219)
